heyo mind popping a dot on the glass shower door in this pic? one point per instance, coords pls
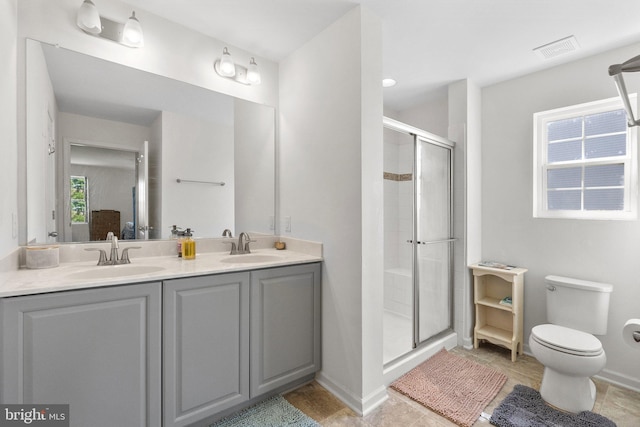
(433, 239)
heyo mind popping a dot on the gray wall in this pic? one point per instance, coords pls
(605, 251)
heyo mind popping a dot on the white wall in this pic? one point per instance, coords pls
(331, 187)
(8, 130)
(42, 111)
(108, 133)
(605, 251)
(254, 134)
(188, 153)
(155, 183)
(464, 111)
(432, 115)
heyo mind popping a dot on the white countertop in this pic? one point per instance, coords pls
(77, 275)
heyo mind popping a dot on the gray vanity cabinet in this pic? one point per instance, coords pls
(206, 346)
(97, 350)
(285, 326)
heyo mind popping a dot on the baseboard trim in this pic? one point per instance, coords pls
(619, 379)
(360, 406)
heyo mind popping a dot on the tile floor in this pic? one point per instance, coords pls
(616, 403)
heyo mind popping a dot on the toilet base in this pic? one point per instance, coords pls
(569, 393)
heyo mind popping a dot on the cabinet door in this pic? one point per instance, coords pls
(206, 346)
(285, 325)
(97, 350)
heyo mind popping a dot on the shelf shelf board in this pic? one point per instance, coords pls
(491, 332)
(494, 303)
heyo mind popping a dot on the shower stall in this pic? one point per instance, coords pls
(418, 240)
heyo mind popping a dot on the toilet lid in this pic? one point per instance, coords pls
(567, 340)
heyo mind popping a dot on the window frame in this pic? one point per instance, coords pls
(86, 200)
(541, 165)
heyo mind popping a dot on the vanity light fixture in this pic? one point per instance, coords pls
(632, 65)
(132, 32)
(88, 18)
(128, 34)
(253, 75)
(225, 67)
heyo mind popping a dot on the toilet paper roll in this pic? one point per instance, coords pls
(631, 333)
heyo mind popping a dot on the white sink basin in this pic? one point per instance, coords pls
(110, 271)
(250, 259)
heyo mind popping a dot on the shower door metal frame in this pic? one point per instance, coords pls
(420, 136)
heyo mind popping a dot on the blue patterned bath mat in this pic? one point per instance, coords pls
(273, 412)
(524, 407)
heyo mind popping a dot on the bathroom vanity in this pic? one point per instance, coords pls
(180, 346)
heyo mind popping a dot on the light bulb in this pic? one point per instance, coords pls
(253, 75)
(88, 18)
(132, 32)
(227, 66)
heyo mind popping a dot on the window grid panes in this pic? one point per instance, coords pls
(584, 160)
(79, 199)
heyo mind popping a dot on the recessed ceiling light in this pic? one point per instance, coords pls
(388, 82)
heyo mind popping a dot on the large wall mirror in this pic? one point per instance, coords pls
(113, 148)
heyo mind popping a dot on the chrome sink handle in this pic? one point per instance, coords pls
(124, 257)
(103, 255)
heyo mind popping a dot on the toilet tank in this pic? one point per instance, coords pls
(578, 304)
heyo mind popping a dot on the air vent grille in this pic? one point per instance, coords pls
(557, 48)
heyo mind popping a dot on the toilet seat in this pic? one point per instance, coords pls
(567, 340)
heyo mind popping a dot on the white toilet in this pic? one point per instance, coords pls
(570, 354)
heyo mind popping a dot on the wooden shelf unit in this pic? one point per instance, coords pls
(497, 323)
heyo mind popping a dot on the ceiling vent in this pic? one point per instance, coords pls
(557, 48)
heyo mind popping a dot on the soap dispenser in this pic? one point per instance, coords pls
(188, 245)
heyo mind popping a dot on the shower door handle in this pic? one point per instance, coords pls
(431, 242)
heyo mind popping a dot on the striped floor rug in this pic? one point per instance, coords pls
(452, 386)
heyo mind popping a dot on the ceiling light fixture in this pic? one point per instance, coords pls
(615, 71)
(225, 67)
(127, 34)
(388, 82)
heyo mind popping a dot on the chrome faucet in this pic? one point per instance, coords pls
(113, 256)
(243, 247)
(227, 233)
(243, 244)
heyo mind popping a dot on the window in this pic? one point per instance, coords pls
(79, 200)
(585, 162)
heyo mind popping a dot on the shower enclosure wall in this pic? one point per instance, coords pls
(418, 247)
